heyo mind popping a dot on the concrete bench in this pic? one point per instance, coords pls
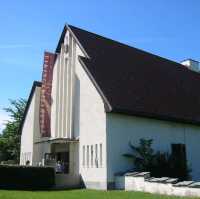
(195, 185)
(131, 173)
(171, 181)
(143, 174)
(183, 183)
(159, 180)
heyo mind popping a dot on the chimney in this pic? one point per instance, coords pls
(191, 64)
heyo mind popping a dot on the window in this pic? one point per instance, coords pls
(96, 155)
(23, 162)
(88, 156)
(100, 155)
(179, 154)
(91, 155)
(83, 155)
(180, 160)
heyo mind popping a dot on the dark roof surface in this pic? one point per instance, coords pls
(135, 82)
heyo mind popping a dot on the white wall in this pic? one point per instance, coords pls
(54, 97)
(30, 129)
(78, 111)
(30, 148)
(121, 129)
(90, 122)
(74, 159)
(63, 90)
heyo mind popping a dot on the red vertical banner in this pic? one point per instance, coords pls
(45, 96)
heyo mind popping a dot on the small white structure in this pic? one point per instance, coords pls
(96, 96)
(165, 186)
(191, 64)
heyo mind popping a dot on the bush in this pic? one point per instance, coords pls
(9, 162)
(26, 177)
(159, 164)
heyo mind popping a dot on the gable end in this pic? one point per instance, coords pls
(35, 84)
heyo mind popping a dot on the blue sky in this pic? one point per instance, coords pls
(169, 28)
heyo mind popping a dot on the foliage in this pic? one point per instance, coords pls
(143, 156)
(10, 137)
(158, 163)
(26, 177)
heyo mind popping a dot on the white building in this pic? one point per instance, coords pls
(96, 95)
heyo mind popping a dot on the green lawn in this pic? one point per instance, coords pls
(78, 194)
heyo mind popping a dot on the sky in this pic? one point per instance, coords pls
(169, 28)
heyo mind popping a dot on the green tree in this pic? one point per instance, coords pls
(158, 163)
(143, 156)
(10, 137)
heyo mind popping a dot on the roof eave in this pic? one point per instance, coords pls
(155, 116)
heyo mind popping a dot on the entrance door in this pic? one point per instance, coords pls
(63, 159)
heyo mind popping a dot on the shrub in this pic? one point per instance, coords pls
(158, 163)
(9, 162)
(26, 177)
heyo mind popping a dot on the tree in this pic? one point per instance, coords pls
(10, 137)
(143, 156)
(158, 163)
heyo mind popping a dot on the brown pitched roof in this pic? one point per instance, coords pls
(135, 82)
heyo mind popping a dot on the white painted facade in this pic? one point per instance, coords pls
(83, 113)
(63, 91)
(30, 130)
(92, 131)
(124, 128)
(77, 113)
(96, 140)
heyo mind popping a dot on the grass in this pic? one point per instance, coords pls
(80, 194)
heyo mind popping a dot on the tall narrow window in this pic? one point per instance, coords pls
(92, 156)
(88, 156)
(83, 155)
(96, 155)
(100, 158)
(23, 158)
(180, 160)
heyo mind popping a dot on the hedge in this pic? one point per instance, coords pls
(26, 177)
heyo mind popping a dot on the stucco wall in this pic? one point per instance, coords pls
(62, 111)
(30, 129)
(74, 162)
(82, 116)
(121, 129)
(54, 109)
(84, 109)
(90, 122)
